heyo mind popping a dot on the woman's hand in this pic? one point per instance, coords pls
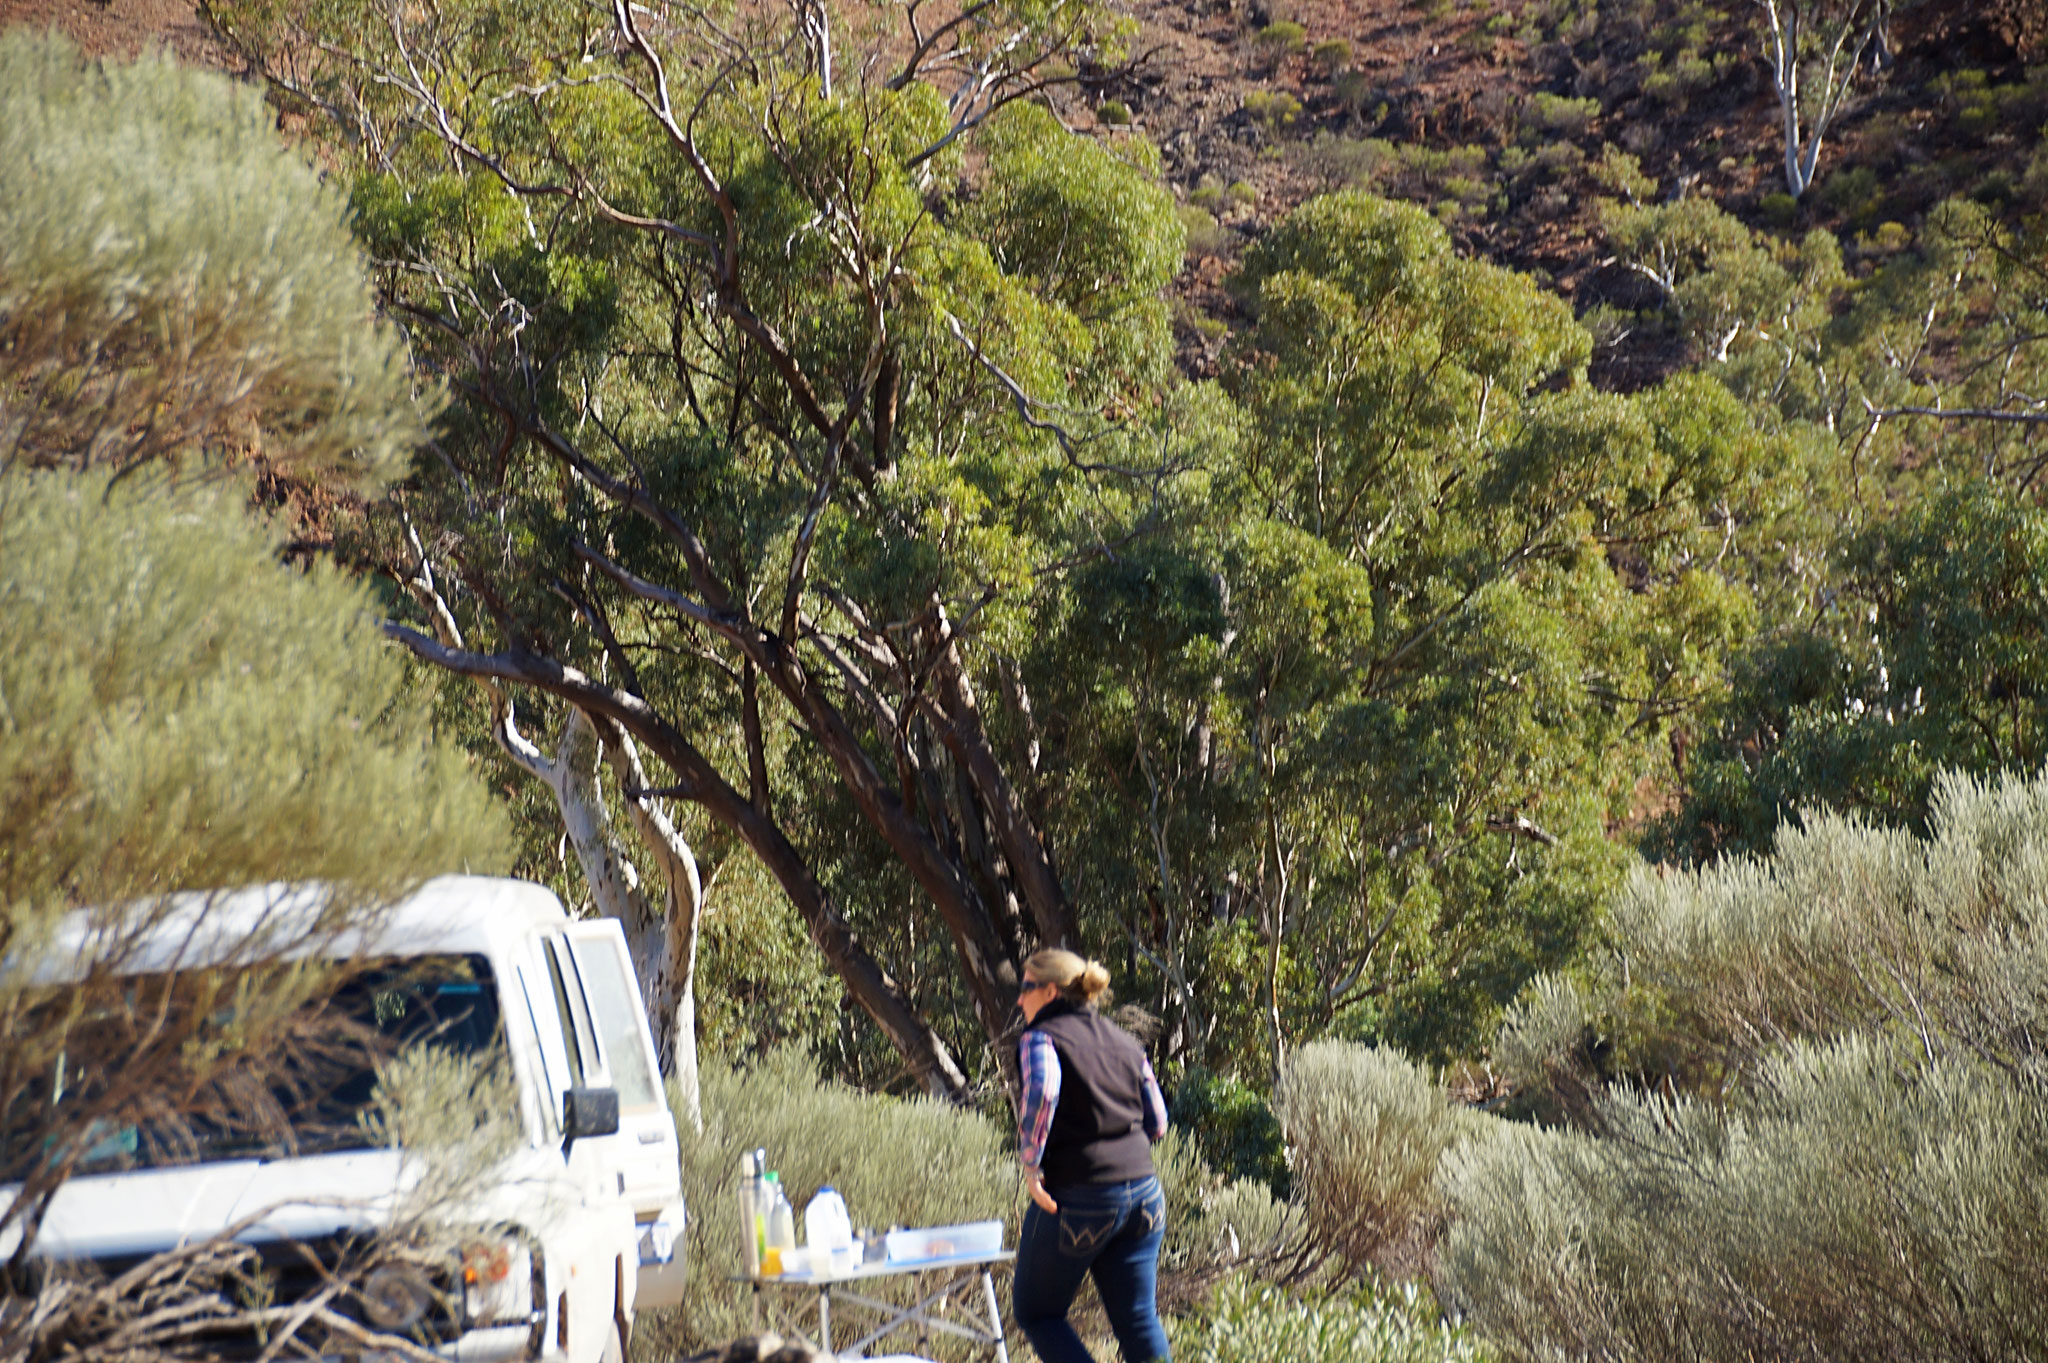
(1034, 1182)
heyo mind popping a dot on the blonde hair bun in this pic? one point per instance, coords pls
(1079, 980)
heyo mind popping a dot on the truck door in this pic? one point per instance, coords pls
(574, 1059)
(649, 1160)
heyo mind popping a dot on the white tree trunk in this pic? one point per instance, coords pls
(663, 945)
(613, 879)
(667, 953)
(1847, 28)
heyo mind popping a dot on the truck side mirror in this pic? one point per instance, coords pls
(588, 1112)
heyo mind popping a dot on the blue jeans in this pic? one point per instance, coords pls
(1109, 1230)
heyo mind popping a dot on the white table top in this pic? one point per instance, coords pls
(883, 1269)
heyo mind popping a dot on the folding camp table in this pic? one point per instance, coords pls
(956, 1269)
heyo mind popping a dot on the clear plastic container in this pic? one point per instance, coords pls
(944, 1242)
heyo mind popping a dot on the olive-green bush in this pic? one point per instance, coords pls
(174, 281)
(1848, 1136)
(1252, 1322)
(1215, 1223)
(1368, 1129)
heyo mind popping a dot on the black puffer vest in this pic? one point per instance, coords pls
(1098, 1128)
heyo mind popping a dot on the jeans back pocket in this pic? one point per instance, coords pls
(1151, 1210)
(1084, 1232)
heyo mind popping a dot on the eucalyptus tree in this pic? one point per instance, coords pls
(1381, 712)
(1816, 51)
(1927, 659)
(786, 368)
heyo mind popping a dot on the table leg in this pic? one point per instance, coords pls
(825, 1319)
(995, 1317)
(754, 1312)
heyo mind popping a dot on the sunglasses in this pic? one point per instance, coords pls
(1028, 985)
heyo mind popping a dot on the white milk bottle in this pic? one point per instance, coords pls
(829, 1232)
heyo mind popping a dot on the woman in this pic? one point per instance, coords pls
(1092, 1110)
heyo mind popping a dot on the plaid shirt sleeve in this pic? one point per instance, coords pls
(1155, 1107)
(1041, 1071)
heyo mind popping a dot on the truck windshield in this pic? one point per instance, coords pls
(307, 1084)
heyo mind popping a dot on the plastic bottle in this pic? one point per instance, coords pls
(764, 1201)
(829, 1232)
(781, 1216)
(753, 1211)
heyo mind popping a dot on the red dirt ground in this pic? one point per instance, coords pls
(119, 28)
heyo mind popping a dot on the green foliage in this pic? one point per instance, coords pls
(1205, 236)
(1332, 55)
(1113, 112)
(1851, 1140)
(1854, 193)
(1945, 325)
(1233, 1126)
(925, 380)
(1382, 695)
(1689, 73)
(173, 281)
(456, 1115)
(1252, 1322)
(1618, 173)
(1345, 162)
(1931, 659)
(1272, 109)
(1548, 115)
(764, 985)
(1362, 97)
(1283, 38)
(1090, 230)
(1851, 929)
(1742, 299)
(1541, 1034)
(181, 712)
(1214, 1222)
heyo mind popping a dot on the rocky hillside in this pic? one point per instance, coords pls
(1499, 115)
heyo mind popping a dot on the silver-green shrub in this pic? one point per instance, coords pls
(1252, 1322)
(1367, 1129)
(1214, 1224)
(1541, 1031)
(457, 1114)
(172, 278)
(179, 711)
(1846, 928)
(1849, 1155)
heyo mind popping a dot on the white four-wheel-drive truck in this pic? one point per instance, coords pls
(573, 1221)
